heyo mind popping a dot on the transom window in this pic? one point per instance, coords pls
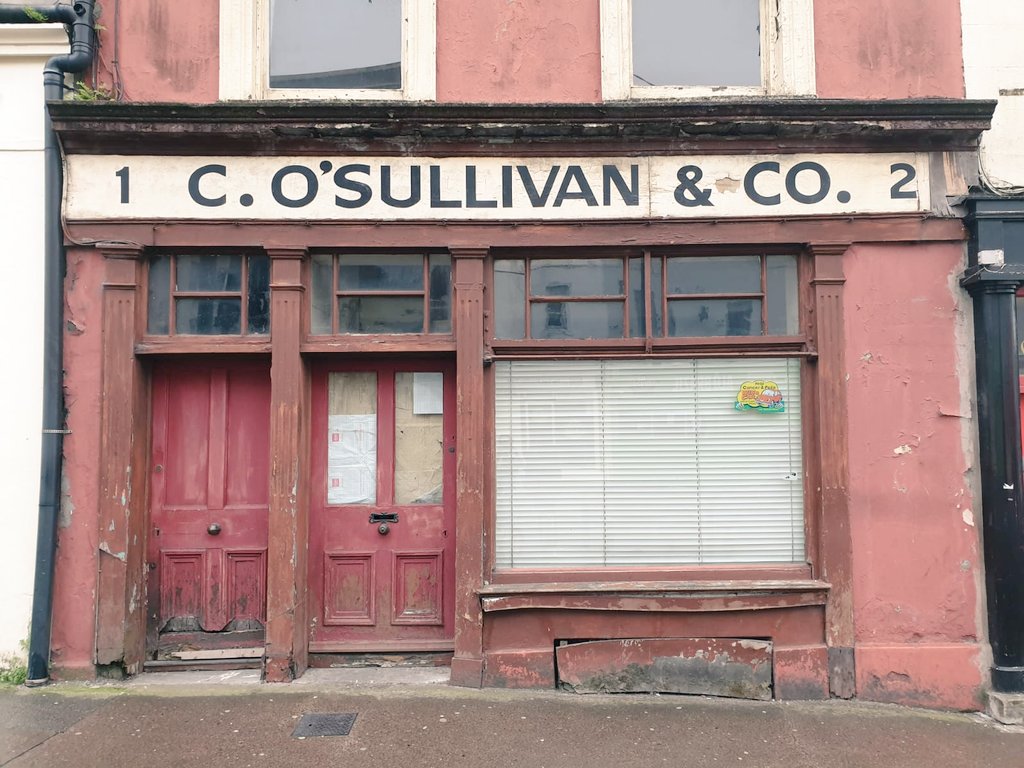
(650, 296)
(381, 293)
(690, 48)
(209, 294)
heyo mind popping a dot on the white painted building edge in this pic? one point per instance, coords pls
(24, 49)
(994, 69)
(104, 187)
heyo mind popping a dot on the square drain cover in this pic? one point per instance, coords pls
(325, 725)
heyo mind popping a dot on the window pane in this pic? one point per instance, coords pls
(419, 409)
(208, 316)
(576, 277)
(380, 314)
(380, 272)
(576, 320)
(352, 438)
(440, 293)
(637, 313)
(208, 273)
(783, 303)
(158, 321)
(322, 299)
(714, 274)
(509, 299)
(687, 42)
(657, 296)
(340, 44)
(259, 294)
(714, 317)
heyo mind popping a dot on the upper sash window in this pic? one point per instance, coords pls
(688, 48)
(344, 49)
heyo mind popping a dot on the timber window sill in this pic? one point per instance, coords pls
(675, 596)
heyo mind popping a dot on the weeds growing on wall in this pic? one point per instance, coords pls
(13, 670)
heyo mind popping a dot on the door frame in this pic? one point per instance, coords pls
(166, 367)
(399, 363)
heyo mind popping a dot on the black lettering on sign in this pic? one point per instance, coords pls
(197, 176)
(574, 173)
(277, 184)
(363, 191)
(630, 194)
(537, 200)
(472, 201)
(123, 176)
(824, 182)
(897, 191)
(688, 194)
(751, 178)
(436, 201)
(385, 187)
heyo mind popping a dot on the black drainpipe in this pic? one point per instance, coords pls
(80, 19)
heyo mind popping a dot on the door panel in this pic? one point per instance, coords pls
(382, 507)
(209, 480)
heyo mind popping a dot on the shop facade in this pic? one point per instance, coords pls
(663, 395)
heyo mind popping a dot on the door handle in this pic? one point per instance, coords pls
(213, 529)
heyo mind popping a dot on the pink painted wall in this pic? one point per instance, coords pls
(73, 638)
(888, 49)
(917, 564)
(518, 51)
(549, 50)
(166, 51)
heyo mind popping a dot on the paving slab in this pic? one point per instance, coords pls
(407, 726)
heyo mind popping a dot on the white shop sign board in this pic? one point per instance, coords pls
(339, 188)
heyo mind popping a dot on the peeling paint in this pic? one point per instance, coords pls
(968, 517)
(727, 184)
(902, 450)
(122, 556)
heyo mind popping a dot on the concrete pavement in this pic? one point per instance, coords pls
(410, 718)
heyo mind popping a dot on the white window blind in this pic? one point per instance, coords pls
(645, 462)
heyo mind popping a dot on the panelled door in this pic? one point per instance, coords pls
(207, 550)
(382, 512)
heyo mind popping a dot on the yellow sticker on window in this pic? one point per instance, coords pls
(760, 395)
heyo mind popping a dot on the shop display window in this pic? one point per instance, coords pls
(611, 450)
(208, 295)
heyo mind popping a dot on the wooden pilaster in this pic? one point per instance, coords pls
(835, 547)
(286, 652)
(120, 582)
(471, 472)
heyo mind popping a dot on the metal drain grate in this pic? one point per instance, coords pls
(338, 724)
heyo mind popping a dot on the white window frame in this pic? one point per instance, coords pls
(245, 57)
(787, 55)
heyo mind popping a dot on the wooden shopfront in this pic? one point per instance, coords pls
(553, 406)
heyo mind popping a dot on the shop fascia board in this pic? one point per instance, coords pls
(419, 128)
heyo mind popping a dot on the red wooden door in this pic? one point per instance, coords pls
(382, 512)
(209, 489)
